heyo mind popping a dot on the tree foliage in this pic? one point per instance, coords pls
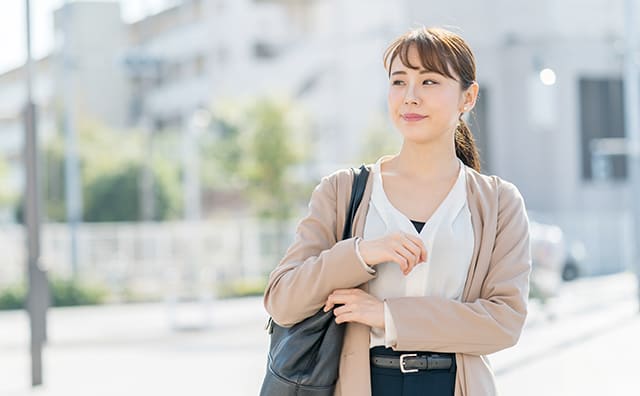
(257, 147)
(111, 165)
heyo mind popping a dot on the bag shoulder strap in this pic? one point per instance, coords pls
(360, 177)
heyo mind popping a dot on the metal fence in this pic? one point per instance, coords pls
(185, 258)
(153, 259)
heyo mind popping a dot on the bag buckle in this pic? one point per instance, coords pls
(402, 362)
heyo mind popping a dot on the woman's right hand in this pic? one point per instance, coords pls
(404, 249)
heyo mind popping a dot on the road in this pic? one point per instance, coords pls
(582, 343)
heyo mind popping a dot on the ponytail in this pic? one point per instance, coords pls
(466, 148)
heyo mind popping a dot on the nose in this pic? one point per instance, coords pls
(411, 97)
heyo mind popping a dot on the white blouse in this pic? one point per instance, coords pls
(447, 236)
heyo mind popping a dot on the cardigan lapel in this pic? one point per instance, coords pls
(477, 223)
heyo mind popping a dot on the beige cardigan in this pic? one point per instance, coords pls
(494, 301)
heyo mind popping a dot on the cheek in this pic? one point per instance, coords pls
(394, 98)
(449, 102)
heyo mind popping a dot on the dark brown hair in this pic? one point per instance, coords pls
(441, 51)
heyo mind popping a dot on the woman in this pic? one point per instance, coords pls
(436, 276)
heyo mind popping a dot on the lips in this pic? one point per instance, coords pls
(412, 117)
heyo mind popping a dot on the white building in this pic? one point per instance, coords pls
(327, 54)
(96, 85)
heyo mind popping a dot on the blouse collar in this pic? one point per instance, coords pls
(446, 212)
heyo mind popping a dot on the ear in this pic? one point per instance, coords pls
(469, 96)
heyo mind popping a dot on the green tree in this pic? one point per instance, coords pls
(115, 195)
(257, 147)
(272, 155)
(112, 167)
(111, 164)
(54, 181)
(222, 152)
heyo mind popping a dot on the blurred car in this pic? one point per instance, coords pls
(548, 254)
(554, 259)
(574, 261)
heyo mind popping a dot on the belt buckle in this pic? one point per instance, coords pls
(402, 357)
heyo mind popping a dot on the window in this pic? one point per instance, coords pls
(264, 50)
(601, 116)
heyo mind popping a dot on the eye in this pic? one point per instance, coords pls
(429, 82)
(397, 82)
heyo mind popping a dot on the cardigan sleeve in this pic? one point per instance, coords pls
(493, 321)
(316, 263)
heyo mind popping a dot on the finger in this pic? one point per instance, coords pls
(337, 299)
(415, 248)
(329, 304)
(411, 252)
(419, 243)
(402, 262)
(346, 317)
(344, 309)
(415, 240)
(412, 260)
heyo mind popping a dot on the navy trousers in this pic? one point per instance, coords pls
(392, 382)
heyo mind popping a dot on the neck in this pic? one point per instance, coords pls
(428, 162)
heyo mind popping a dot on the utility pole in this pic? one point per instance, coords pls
(38, 286)
(632, 121)
(73, 192)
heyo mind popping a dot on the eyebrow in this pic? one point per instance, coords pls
(423, 71)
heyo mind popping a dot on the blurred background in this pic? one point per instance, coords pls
(179, 141)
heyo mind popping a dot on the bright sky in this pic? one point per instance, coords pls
(12, 26)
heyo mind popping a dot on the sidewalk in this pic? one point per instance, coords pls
(133, 350)
(602, 363)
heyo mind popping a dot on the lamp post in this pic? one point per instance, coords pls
(38, 286)
(191, 163)
(145, 67)
(73, 191)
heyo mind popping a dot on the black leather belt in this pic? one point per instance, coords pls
(412, 362)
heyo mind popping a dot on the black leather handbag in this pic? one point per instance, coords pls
(303, 359)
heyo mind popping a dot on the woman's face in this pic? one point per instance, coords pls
(424, 106)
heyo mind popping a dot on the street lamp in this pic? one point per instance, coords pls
(192, 271)
(548, 76)
(147, 68)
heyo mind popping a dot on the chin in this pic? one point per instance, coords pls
(417, 136)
